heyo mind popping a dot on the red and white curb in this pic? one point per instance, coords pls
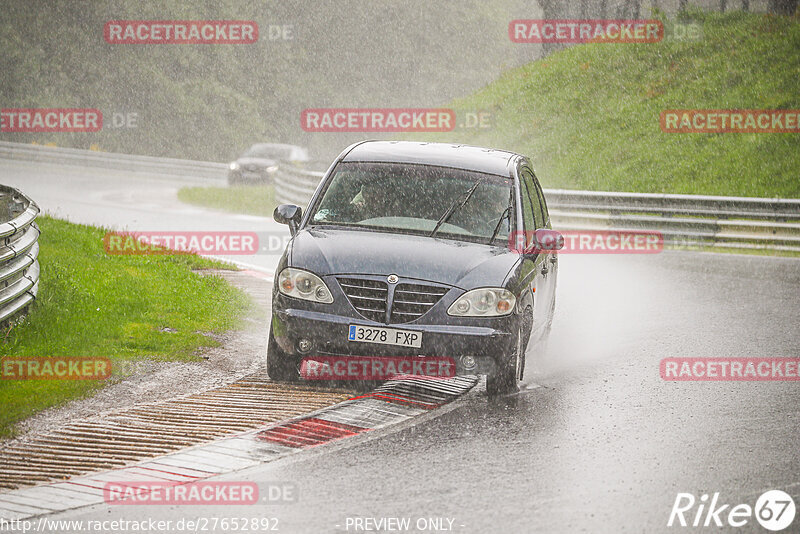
(396, 401)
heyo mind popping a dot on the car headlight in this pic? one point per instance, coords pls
(234, 166)
(483, 302)
(303, 285)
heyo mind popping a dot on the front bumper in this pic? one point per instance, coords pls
(484, 341)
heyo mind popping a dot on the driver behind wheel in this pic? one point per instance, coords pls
(371, 201)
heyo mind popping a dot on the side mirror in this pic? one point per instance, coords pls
(288, 214)
(544, 239)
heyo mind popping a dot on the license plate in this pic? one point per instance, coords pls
(385, 336)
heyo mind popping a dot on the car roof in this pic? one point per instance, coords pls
(279, 150)
(274, 145)
(466, 157)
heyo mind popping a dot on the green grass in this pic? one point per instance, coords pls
(253, 200)
(94, 304)
(589, 115)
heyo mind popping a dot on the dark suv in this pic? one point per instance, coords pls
(449, 243)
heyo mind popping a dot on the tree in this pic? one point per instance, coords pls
(783, 7)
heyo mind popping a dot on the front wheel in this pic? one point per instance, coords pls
(504, 380)
(280, 366)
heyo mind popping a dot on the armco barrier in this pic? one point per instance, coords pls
(294, 185)
(19, 268)
(685, 220)
(109, 160)
(690, 220)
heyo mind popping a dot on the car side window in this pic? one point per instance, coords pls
(542, 202)
(528, 222)
(527, 211)
(530, 186)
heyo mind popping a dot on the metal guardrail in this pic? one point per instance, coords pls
(111, 160)
(684, 220)
(294, 185)
(670, 205)
(19, 268)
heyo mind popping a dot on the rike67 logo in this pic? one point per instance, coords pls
(774, 510)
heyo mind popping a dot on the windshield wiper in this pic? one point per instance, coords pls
(505, 215)
(457, 204)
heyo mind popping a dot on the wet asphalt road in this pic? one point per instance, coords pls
(597, 442)
(603, 444)
(128, 201)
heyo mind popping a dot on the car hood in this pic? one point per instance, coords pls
(457, 263)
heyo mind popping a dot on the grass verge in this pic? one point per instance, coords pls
(126, 308)
(252, 200)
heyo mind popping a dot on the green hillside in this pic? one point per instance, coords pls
(589, 115)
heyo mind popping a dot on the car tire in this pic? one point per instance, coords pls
(504, 380)
(280, 366)
(527, 327)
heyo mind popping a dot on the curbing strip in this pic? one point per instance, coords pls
(333, 423)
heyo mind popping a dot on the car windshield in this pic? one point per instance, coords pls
(417, 199)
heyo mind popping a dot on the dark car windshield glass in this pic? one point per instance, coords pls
(415, 198)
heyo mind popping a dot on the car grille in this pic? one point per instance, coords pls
(410, 302)
(368, 297)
